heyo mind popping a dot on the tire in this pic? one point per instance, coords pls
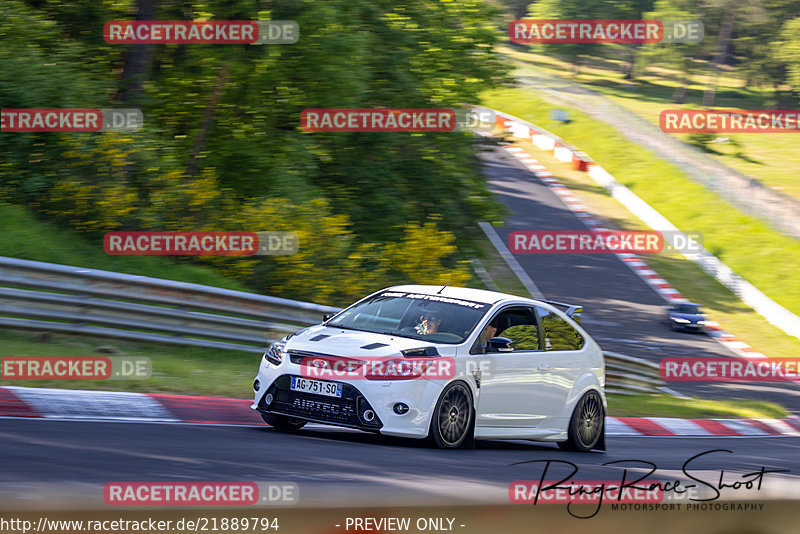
(587, 424)
(451, 422)
(283, 423)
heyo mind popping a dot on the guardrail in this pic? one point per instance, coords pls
(60, 298)
(629, 375)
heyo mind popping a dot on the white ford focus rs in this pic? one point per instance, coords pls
(448, 364)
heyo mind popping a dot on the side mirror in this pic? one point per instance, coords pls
(327, 317)
(499, 344)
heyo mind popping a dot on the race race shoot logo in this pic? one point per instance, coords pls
(585, 242)
(594, 492)
(201, 243)
(637, 486)
(75, 368)
(70, 120)
(730, 121)
(605, 31)
(730, 369)
(201, 32)
(378, 368)
(378, 120)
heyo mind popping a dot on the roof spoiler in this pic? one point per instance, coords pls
(571, 309)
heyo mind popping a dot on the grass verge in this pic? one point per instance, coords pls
(29, 238)
(770, 158)
(669, 406)
(499, 271)
(178, 370)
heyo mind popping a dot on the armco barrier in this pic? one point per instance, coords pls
(747, 292)
(629, 375)
(61, 298)
(48, 297)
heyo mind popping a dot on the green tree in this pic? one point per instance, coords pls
(587, 9)
(786, 51)
(222, 145)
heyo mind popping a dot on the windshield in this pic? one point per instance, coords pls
(427, 317)
(688, 308)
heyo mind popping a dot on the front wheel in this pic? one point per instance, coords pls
(281, 422)
(451, 422)
(587, 424)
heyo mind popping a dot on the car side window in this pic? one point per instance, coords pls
(557, 333)
(517, 324)
(524, 336)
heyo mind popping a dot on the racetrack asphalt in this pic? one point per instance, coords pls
(66, 463)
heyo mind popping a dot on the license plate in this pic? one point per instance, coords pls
(330, 389)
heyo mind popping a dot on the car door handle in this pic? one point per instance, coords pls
(542, 367)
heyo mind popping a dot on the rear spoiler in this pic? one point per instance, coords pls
(571, 309)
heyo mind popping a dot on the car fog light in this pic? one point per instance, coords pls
(369, 415)
(400, 408)
(256, 385)
(268, 399)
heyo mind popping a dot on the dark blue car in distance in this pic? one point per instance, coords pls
(686, 316)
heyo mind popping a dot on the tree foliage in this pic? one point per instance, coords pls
(222, 147)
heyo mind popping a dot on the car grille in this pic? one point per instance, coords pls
(297, 356)
(346, 410)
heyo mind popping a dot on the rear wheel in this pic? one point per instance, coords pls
(281, 422)
(451, 423)
(586, 425)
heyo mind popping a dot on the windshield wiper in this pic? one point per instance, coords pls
(346, 327)
(385, 333)
(400, 334)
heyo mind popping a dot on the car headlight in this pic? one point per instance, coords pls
(680, 320)
(701, 322)
(275, 353)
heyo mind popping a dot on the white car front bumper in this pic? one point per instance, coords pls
(350, 410)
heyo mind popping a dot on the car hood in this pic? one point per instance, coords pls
(340, 342)
(693, 317)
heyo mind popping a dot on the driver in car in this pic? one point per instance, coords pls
(428, 323)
